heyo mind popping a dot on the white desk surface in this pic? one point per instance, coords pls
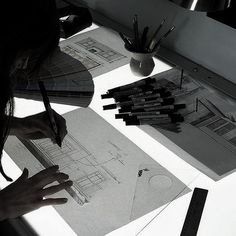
(219, 217)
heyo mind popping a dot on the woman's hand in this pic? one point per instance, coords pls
(27, 194)
(37, 126)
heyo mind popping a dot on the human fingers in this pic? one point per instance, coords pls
(16, 185)
(45, 128)
(56, 188)
(53, 201)
(44, 173)
(58, 176)
(23, 176)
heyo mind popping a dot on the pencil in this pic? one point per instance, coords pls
(50, 113)
(153, 40)
(163, 37)
(144, 38)
(126, 41)
(136, 33)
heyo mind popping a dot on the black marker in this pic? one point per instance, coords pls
(171, 107)
(139, 113)
(149, 121)
(139, 103)
(153, 104)
(50, 113)
(136, 95)
(163, 109)
(156, 92)
(145, 81)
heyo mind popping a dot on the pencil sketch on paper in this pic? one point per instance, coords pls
(207, 133)
(105, 167)
(87, 173)
(99, 56)
(100, 50)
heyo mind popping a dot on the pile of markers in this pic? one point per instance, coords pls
(143, 43)
(145, 103)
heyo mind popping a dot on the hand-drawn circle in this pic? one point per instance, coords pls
(160, 181)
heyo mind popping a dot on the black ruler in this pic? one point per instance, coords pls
(194, 213)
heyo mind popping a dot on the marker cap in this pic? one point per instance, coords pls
(121, 116)
(106, 95)
(110, 107)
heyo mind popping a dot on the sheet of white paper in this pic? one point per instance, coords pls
(104, 165)
(208, 136)
(99, 50)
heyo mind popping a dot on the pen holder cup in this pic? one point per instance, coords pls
(142, 64)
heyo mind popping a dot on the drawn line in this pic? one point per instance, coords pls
(166, 206)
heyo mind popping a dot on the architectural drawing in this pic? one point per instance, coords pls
(207, 134)
(104, 166)
(85, 59)
(100, 50)
(74, 159)
(96, 52)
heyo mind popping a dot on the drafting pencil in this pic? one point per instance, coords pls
(136, 32)
(50, 113)
(163, 37)
(153, 40)
(144, 38)
(126, 41)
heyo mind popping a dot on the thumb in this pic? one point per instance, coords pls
(24, 175)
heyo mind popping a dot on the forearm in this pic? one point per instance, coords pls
(3, 214)
(15, 125)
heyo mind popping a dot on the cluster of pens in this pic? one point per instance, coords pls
(145, 103)
(142, 44)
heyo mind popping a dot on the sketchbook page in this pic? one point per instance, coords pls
(100, 50)
(207, 135)
(66, 80)
(104, 165)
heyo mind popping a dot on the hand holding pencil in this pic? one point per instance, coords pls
(57, 126)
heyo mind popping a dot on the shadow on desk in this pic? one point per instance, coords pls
(16, 227)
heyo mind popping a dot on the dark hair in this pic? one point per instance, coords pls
(26, 25)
